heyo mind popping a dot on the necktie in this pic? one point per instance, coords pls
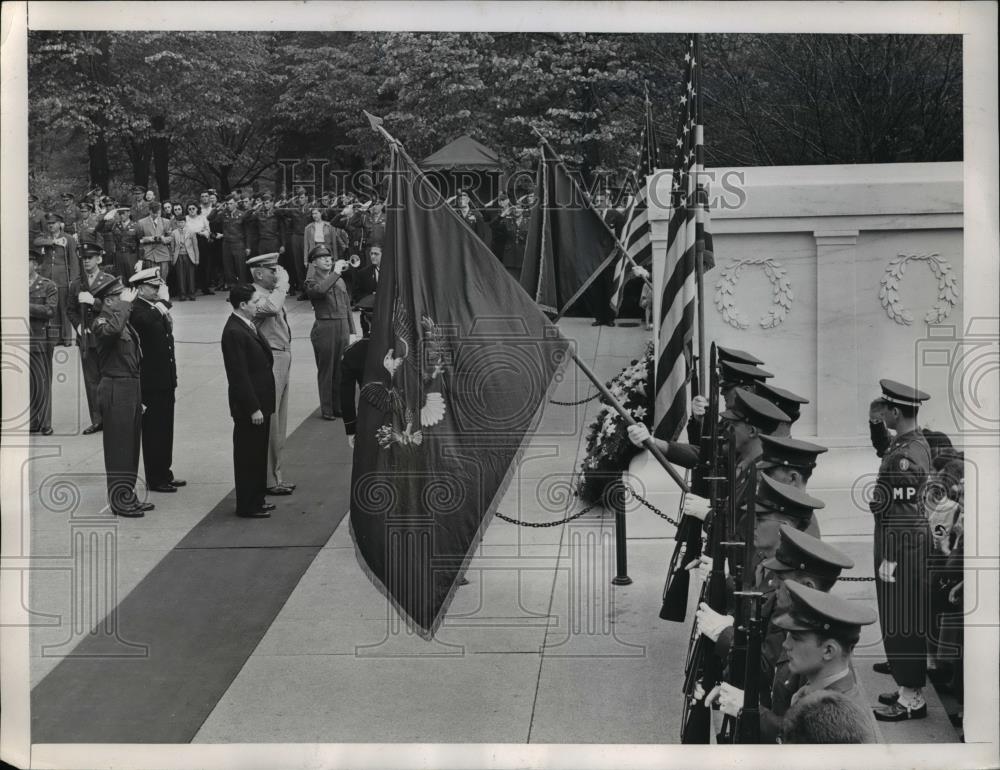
(376, 276)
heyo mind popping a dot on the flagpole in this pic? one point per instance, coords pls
(629, 420)
(620, 245)
(699, 256)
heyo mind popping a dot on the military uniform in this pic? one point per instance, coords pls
(268, 225)
(902, 536)
(331, 331)
(60, 265)
(43, 305)
(89, 361)
(120, 397)
(234, 245)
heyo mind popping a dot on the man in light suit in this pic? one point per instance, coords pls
(248, 361)
(270, 292)
(155, 240)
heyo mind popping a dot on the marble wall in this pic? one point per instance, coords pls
(837, 276)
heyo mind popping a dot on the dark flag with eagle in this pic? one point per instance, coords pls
(459, 364)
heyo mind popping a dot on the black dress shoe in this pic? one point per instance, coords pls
(888, 698)
(882, 668)
(264, 507)
(897, 713)
(281, 489)
(163, 488)
(598, 323)
(145, 506)
(93, 429)
(129, 513)
(254, 515)
(178, 482)
(46, 431)
(34, 430)
(328, 417)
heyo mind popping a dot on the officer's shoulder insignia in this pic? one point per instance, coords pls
(904, 464)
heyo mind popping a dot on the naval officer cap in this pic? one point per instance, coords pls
(737, 356)
(151, 276)
(788, 452)
(264, 260)
(818, 611)
(785, 499)
(756, 411)
(788, 402)
(898, 394)
(89, 250)
(805, 553)
(733, 374)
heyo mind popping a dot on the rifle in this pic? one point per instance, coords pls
(688, 536)
(739, 665)
(84, 309)
(703, 665)
(748, 722)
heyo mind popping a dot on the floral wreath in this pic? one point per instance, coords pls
(946, 281)
(781, 288)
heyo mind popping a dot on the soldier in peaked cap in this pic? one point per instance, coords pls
(735, 376)
(119, 395)
(902, 541)
(728, 356)
(790, 461)
(43, 304)
(331, 301)
(733, 355)
(158, 378)
(83, 309)
(821, 632)
(59, 264)
(788, 402)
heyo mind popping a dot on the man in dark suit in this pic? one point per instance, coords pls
(248, 361)
(365, 284)
(158, 377)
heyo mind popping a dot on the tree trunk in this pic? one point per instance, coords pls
(100, 169)
(224, 183)
(139, 155)
(161, 156)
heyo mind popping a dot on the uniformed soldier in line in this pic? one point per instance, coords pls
(270, 282)
(902, 548)
(120, 396)
(800, 558)
(788, 402)
(268, 227)
(43, 306)
(60, 265)
(235, 248)
(297, 215)
(158, 378)
(36, 218)
(83, 317)
(822, 631)
(86, 223)
(827, 716)
(790, 461)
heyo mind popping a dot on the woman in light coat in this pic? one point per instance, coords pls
(185, 250)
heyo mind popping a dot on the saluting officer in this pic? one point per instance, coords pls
(43, 305)
(60, 265)
(92, 256)
(119, 394)
(158, 378)
(902, 538)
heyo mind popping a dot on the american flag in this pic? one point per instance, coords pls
(687, 241)
(636, 234)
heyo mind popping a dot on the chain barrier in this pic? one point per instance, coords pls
(650, 506)
(843, 579)
(541, 524)
(575, 403)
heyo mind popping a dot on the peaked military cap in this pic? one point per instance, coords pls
(150, 275)
(264, 260)
(733, 374)
(788, 402)
(813, 610)
(788, 452)
(104, 284)
(318, 251)
(53, 217)
(801, 551)
(786, 499)
(89, 249)
(67, 196)
(901, 395)
(756, 411)
(736, 356)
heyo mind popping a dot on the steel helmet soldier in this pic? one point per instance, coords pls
(902, 541)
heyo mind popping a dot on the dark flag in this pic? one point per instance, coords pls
(567, 243)
(459, 362)
(688, 242)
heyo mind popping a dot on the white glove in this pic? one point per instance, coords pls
(640, 272)
(282, 275)
(85, 298)
(695, 506)
(701, 567)
(730, 698)
(710, 623)
(129, 294)
(638, 433)
(163, 293)
(350, 441)
(699, 404)
(886, 570)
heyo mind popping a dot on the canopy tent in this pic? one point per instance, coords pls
(464, 153)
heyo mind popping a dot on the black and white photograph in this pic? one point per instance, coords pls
(500, 384)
